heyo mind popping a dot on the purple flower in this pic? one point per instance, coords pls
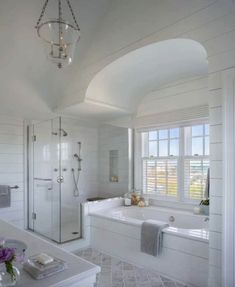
(6, 254)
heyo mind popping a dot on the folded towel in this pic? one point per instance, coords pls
(4, 190)
(5, 196)
(207, 186)
(151, 236)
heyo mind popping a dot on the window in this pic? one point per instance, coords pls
(175, 162)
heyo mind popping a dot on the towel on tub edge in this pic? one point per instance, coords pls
(151, 236)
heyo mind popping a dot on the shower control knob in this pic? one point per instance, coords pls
(60, 179)
(55, 169)
(171, 218)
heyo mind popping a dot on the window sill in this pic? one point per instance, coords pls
(171, 203)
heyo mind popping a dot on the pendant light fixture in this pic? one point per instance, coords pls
(59, 36)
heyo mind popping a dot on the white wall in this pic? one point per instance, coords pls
(183, 94)
(214, 27)
(113, 138)
(11, 167)
(217, 192)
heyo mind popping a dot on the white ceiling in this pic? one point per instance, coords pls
(32, 87)
(125, 81)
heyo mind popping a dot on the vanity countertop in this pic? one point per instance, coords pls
(79, 272)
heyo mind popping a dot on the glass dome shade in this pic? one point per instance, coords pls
(60, 38)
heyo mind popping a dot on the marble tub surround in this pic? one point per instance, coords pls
(79, 273)
(118, 273)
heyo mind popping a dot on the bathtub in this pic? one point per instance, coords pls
(182, 223)
(184, 257)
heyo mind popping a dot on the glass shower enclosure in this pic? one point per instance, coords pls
(55, 165)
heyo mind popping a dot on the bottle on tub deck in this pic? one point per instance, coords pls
(127, 199)
(144, 202)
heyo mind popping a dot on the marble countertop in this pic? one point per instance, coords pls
(78, 268)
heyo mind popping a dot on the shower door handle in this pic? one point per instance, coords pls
(60, 179)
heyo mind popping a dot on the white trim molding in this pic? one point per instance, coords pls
(229, 178)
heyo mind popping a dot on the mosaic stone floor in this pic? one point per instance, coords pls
(117, 273)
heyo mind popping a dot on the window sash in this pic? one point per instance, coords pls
(181, 194)
(160, 176)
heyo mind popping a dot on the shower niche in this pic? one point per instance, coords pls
(55, 165)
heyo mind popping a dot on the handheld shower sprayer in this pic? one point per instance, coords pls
(76, 179)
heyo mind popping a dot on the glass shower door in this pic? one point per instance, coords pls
(46, 179)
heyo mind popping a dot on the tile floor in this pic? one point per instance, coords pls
(117, 273)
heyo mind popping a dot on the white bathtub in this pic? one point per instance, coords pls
(182, 223)
(116, 231)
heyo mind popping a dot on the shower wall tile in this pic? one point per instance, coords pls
(113, 138)
(11, 167)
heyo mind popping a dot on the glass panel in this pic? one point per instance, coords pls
(174, 147)
(207, 152)
(161, 177)
(172, 178)
(195, 178)
(150, 176)
(57, 167)
(45, 187)
(197, 146)
(197, 130)
(153, 148)
(71, 167)
(196, 187)
(207, 130)
(174, 133)
(163, 148)
(163, 134)
(153, 135)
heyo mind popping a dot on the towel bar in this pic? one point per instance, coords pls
(14, 187)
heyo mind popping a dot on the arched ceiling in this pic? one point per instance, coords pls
(32, 87)
(120, 85)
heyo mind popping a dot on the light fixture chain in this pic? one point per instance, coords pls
(74, 18)
(60, 12)
(42, 13)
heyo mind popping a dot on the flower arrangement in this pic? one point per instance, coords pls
(8, 256)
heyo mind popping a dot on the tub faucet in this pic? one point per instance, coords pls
(206, 219)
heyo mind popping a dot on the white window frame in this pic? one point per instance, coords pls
(180, 198)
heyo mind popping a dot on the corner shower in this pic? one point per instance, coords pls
(54, 160)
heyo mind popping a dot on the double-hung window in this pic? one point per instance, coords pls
(175, 162)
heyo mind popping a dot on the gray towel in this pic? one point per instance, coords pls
(151, 236)
(5, 196)
(207, 186)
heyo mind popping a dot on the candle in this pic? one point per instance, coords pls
(127, 201)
